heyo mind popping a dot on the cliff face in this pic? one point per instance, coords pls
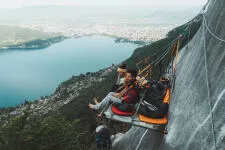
(196, 113)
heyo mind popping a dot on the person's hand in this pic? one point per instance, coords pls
(116, 95)
(99, 115)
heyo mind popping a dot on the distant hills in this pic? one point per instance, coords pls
(76, 15)
(18, 37)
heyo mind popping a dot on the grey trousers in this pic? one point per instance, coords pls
(106, 101)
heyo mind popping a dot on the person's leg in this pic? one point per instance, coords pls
(106, 100)
(96, 100)
(98, 145)
(115, 99)
(111, 93)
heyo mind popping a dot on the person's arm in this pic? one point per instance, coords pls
(119, 89)
(118, 80)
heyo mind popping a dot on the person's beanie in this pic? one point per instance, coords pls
(100, 128)
(122, 68)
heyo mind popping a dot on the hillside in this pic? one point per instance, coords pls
(12, 37)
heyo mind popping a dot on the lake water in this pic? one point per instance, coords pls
(30, 74)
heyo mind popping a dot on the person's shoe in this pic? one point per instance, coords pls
(96, 100)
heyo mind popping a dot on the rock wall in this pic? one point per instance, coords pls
(196, 115)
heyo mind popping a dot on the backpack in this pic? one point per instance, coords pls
(155, 93)
(152, 105)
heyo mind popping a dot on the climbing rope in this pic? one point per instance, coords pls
(168, 69)
(189, 34)
(145, 59)
(166, 49)
(141, 139)
(207, 80)
(161, 56)
(165, 52)
(174, 65)
(207, 27)
(158, 60)
(180, 37)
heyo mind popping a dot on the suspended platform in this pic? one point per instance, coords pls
(136, 120)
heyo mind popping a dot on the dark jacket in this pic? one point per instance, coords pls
(130, 98)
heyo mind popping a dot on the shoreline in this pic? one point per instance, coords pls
(35, 44)
(42, 44)
(119, 39)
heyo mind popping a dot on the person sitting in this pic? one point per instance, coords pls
(121, 70)
(129, 95)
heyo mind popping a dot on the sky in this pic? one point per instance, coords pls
(25, 3)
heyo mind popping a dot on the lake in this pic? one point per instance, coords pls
(30, 74)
